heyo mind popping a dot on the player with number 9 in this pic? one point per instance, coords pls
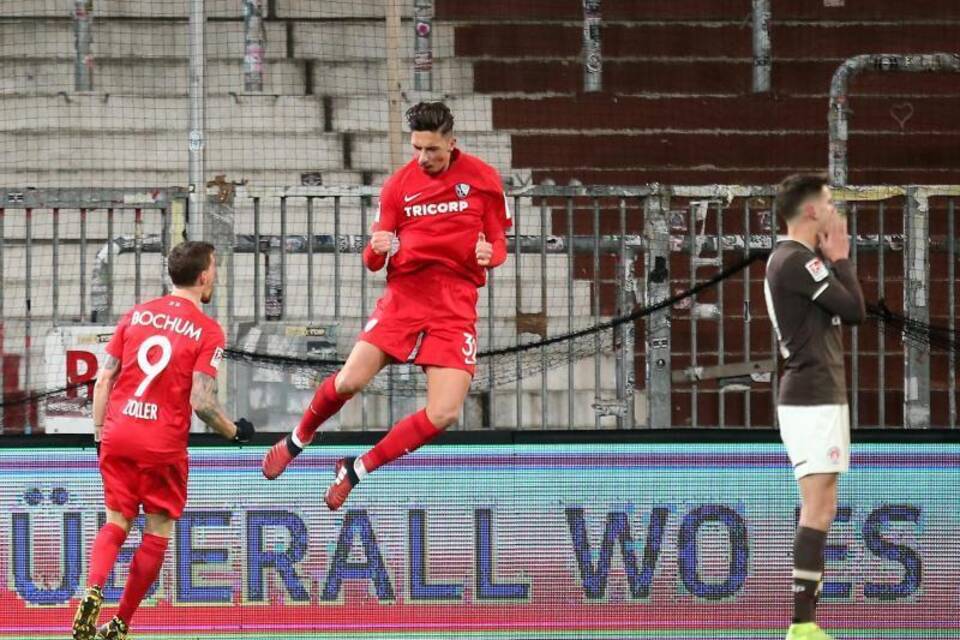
(441, 224)
(161, 366)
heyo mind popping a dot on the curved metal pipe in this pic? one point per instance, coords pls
(839, 85)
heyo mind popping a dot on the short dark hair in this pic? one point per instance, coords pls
(430, 116)
(187, 261)
(795, 189)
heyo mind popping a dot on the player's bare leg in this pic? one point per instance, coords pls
(818, 494)
(364, 362)
(446, 391)
(106, 546)
(144, 570)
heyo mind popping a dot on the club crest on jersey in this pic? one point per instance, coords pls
(216, 359)
(818, 271)
(462, 189)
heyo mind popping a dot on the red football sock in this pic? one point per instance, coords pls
(405, 437)
(143, 572)
(326, 402)
(106, 546)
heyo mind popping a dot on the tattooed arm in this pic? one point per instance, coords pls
(203, 398)
(101, 392)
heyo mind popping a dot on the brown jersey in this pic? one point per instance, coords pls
(807, 302)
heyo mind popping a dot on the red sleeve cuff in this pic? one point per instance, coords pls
(373, 260)
(499, 253)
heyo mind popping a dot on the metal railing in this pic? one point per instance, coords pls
(291, 276)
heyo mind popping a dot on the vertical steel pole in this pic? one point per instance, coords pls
(657, 275)
(881, 335)
(283, 258)
(394, 84)
(916, 271)
(694, 346)
(3, 379)
(518, 297)
(310, 283)
(28, 317)
(571, 276)
(55, 254)
(137, 254)
(256, 260)
(597, 385)
(721, 347)
(254, 41)
(952, 301)
(623, 331)
(110, 280)
(747, 315)
(543, 310)
(83, 265)
(854, 335)
(363, 301)
(423, 45)
(83, 41)
(762, 56)
(592, 55)
(196, 142)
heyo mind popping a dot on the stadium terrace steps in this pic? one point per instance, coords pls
(311, 9)
(733, 175)
(159, 77)
(138, 179)
(353, 78)
(163, 77)
(137, 39)
(689, 10)
(677, 89)
(241, 113)
(119, 9)
(695, 40)
(168, 38)
(695, 78)
(232, 152)
(760, 112)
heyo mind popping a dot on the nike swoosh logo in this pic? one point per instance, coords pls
(411, 198)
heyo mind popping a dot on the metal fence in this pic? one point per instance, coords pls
(291, 279)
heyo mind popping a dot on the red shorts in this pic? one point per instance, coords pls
(127, 484)
(427, 320)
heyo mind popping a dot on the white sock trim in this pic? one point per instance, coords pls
(803, 574)
(359, 469)
(296, 440)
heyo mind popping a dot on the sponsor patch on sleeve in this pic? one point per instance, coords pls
(818, 271)
(216, 359)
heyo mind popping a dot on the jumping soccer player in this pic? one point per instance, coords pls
(440, 226)
(161, 362)
(811, 289)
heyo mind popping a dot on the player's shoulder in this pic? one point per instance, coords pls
(147, 305)
(791, 251)
(793, 259)
(397, 179)
(476, 165)
(209, 323)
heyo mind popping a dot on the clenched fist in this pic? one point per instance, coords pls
(382, 242)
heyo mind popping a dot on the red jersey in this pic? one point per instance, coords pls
(159, 344)
(438, 218)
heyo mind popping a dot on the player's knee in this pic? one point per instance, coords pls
(828, 513)
(348, 384)
(159, 525)
(117, 518)
(442, 417)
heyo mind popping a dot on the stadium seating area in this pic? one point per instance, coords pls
(676, 105)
